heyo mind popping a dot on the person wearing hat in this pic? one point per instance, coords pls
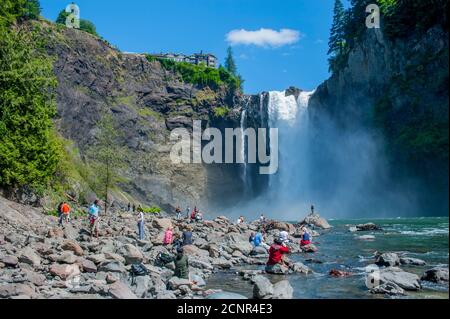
(276, 252)
(181, 264)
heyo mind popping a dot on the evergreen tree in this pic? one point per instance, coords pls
(106, 158)
(29, 153)
(230, 65)
(337, 33)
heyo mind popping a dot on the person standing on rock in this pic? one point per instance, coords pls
(312, 209)
(140, 223)
(59, 211)
(178, 212)
(188, 212)
(129, 207)
(94, 218)
(65, 208)
(181, 264)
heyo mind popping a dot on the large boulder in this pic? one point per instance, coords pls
(132, 254)
(387, 259)
(10, 261)
(19, 289)
(194, 251)
(436, 275)
(311, 248)
(283, 290)
(262, 288)
(176, 282)
(259, 252)
(73, 246)
(67, 257)
(112, 266)
(162, 223)
(88, 266)
(280, 226)
(64, 271)
(316, 220)
(276, 269)
(403, 279)
(119, 290)
(29, 256)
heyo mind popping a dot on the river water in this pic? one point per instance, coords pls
(423, 238)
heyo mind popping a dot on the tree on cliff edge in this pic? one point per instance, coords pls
(230, 65)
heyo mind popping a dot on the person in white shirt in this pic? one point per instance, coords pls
(140, 223)
(284, 236)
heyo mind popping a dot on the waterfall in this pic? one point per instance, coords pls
(243, 149)
(289, 114)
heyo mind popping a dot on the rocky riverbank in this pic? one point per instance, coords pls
(40, 260)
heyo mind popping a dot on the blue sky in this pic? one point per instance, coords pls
(270, 59)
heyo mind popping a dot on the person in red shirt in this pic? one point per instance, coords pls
(65, 211)
(276, 252)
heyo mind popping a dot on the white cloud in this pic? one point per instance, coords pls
(264, 37)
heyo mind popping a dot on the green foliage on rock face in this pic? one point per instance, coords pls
(201, 74)
(14, 10)
(151, 210)
(85, 25)
(399, 18)
(29, 151)
(221, 111)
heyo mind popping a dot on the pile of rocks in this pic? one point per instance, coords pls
(387, 278)
(40, 260)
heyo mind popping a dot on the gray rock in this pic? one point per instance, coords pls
(367, 227)
(10, 261)
(119, 290)
(262, 288)
(436, 275)
(28, 256)
(142, 286)
(316, 220)
(226, 295)
(276, 269)
(67, 257)
(300, 268)
(88, 266)
(387, 259)
(403, 279)
(412, 261)
(388, 288)
(112, 266)
(10, 290)
(199, 281)
(175, 282)
(283, 290)
(132, 254)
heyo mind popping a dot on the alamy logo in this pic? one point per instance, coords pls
(188, 149)
(373, 19)
(73, 19)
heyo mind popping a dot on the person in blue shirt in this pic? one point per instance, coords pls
(94, 218)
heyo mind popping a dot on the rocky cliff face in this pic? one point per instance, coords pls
(399, 88)
(146, 102)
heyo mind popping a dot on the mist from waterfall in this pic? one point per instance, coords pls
(342, 173)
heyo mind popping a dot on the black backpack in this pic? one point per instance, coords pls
(163, 259)
(136, 271)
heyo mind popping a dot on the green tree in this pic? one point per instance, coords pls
(107, 158)
(29, 153)
(32, 9)
(85, 25)
(12, 10)
(337, 40)
(230, 65)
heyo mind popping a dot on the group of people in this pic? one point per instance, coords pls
(194, 216)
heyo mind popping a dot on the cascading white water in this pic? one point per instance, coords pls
(289, 115)
(243, 148)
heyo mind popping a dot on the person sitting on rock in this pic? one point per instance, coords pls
(181, 264)
(168, 236)
(251, 239)
(193, 214)
(198, 217)
(284, 237)
(276, 264)
(187, 237)
(305, 236)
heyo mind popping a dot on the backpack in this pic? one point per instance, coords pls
(162, 259)
(136, 271)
